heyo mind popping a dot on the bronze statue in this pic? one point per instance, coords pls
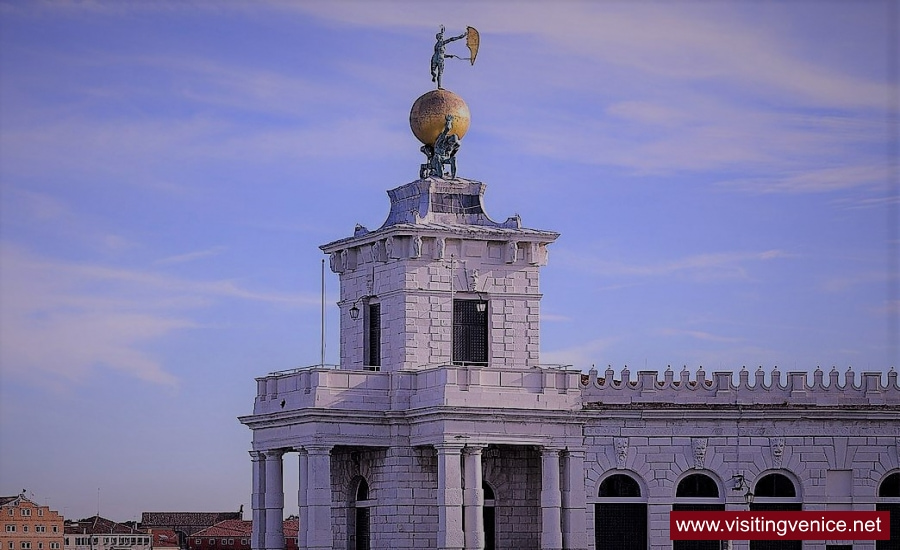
(443, 152)
(437, 59)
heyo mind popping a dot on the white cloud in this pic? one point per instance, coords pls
(66, 319)
(582, 355)
(698, 267)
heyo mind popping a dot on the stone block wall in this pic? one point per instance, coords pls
(415, 294)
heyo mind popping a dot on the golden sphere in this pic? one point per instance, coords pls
(429, 113)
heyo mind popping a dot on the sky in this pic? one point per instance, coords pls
(723, 176)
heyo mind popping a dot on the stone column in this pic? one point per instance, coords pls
(473, 499)
(551, 501)
(318, 498)
(450, 531)
(303, 498)
(258, 501)
(574, 531)
(274, 536)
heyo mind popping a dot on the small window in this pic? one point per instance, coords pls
(26, 545)
(198, 542)
(212, 542)
(373, 338)
(26, 512)
(56, 529)
(24, 528)
(470, 332)
(243, 542)
(10, 528)
(11, 545)
(40, 546)
(40, 512)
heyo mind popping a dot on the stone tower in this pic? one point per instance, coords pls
(440, 283)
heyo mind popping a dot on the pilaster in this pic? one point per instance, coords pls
(274, 496)
(473, 499)
(258, 501)
(450, 498)
(551, 501)
(318, 466)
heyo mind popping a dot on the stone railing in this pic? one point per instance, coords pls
(720, 388)
(432, 386)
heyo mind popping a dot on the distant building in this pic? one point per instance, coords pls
(164, 539)
(99, 533)
(235, 534)
(29, 526)
(185, 524)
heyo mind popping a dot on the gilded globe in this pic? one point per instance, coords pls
(429, 113)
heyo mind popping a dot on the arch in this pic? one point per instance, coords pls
(889, 501)
(890, 486)
(775, 485)
(359, 520)
(697, 485)
(489, 515)
(619, 486)
(776, 491)
(698, 491)
(634, 476)
(620, 512)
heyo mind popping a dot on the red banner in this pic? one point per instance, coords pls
(761, 525)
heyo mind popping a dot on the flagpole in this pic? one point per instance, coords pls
(323, 313)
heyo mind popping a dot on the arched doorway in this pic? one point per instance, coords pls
(776, 492)
(490, 517)
(889, 501)
(359, 522)
(620, 515)
(695, 493)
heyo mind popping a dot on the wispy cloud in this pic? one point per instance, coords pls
(581, 355)
(191, 256)
(699, 335)
(699, 267)
(66, 319)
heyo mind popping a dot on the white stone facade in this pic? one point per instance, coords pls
(427, 451)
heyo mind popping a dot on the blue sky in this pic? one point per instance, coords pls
(721, 174)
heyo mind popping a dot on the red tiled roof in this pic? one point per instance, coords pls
(96, 525)
(243, 528)
(227, 528)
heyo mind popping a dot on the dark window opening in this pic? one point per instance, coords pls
(490, 517)
(775, 485)
(890, 487)
(894, 542)
(373, 338)
(621, 526)
(697, 486)
(470, 332)
(620, 485)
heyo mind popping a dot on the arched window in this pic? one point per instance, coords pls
(889, 501)
(620, 514)
(490, 517)
(358, 523)
(695, 493)
(776, 492)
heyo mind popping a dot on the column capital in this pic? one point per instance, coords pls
(256, 456)
(318, 449)
(473, 449)
(576, 453)
(449, 447)
(273, 454)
